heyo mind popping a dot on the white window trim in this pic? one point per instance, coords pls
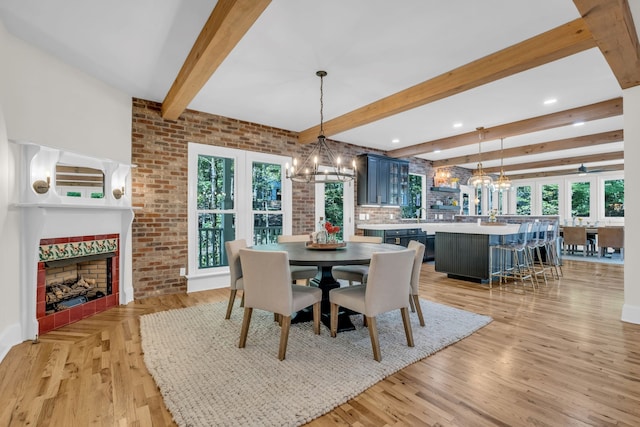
(596, 200)
(213, 278)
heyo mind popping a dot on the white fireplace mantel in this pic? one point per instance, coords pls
(52, 215)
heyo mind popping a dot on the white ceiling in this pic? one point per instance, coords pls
(370, 49)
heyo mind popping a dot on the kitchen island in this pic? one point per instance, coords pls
(462, 250)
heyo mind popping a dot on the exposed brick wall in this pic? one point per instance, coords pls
(159, 149)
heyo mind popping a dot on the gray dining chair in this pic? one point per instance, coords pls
(299, 272)
(414, 298)
(236, 281)
(267, 286)
(386, 289)
(355, 273)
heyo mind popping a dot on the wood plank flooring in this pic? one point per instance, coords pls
(557, 356)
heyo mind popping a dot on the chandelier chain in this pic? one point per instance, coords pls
(321, 104)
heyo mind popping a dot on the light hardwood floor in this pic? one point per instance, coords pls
(559, 356)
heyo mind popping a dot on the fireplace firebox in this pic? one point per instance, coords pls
(77, 277)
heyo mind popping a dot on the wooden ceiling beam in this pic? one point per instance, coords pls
(532, 175)
(552, 45)
(227, 24)
(602, 157)
(599, 110)
(543, 147)
(611, 24)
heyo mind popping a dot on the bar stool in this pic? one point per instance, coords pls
(552, 237)
(514, 260)
(533, 247)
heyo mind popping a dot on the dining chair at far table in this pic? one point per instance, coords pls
(299, 272)
(267, 286)
(414, 298)
(232, 249)
(577, 236)
(386, 289)
(610, 237)
(355, 273)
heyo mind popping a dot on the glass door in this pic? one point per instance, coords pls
(334, 202)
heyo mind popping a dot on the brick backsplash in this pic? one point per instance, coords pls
(159, 149)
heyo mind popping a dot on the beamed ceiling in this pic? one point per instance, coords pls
(408, 70)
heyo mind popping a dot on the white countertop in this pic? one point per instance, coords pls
(449, 227)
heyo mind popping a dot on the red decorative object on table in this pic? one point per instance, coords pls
(332, 230)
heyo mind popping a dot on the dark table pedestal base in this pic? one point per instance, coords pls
(326, 283)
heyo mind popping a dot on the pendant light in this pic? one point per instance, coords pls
(309, 170)
(479, 179)
(503, 183)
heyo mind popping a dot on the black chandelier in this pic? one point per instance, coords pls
(309, 170)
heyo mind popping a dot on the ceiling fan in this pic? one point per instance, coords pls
(582, 170)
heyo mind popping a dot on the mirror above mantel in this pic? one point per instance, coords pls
(78, 181)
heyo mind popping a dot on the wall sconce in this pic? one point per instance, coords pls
(118, 192)
(40, 186)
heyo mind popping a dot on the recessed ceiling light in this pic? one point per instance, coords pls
(550, 101)
(457, 125)
(436, 151)
(395, 141)
(578, 123)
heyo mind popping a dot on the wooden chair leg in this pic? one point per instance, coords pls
(316, 318)
(242, 300)
(413, 307)
(407, 326)
(284, 336)
(334, 320)
(375, 343)
(232, 299)
(246, 320)
(416, 302)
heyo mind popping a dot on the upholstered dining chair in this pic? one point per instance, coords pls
(299, 272)
(355, 273)
(386, 289)
(235, 269)
(576, 236)
(414, 299)
(610, 237)
(267, 286)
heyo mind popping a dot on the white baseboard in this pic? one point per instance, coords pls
(631, 313)
(9, 337)
(206, 282)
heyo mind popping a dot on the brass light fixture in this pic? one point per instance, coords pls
(479, 179)
(309, 170)
(118, 193)
(503, 183)
(40, 186)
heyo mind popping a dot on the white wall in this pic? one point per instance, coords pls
(48, 102)
(631, 308)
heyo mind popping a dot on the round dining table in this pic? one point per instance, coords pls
(353, 253)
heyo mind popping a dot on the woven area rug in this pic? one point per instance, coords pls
(207, 380)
